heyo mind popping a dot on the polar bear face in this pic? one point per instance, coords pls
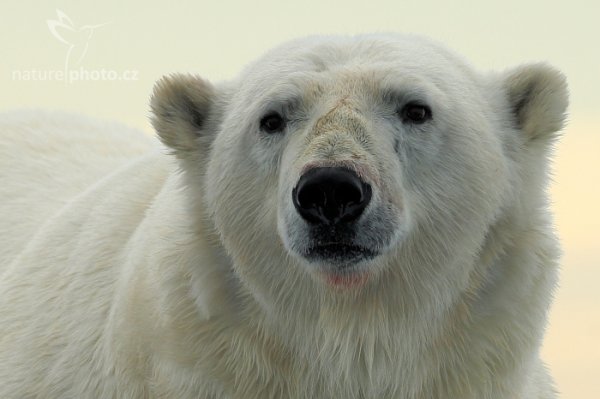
(354, 136)
(348, 163)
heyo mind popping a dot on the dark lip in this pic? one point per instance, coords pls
(341, 254)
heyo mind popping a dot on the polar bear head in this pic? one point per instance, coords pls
(336, 165)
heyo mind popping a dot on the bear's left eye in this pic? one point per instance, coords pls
(272, 123)
(415, 113)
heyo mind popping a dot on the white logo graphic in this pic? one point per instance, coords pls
(77, 38)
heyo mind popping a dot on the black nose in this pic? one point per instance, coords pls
(330, 195)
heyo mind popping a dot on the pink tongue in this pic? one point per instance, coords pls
(350, 280)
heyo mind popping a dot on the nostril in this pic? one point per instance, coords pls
(312, 195)
(310, 198)
(348, 192)
(330, 195)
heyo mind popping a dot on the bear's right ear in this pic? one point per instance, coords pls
(181, 105)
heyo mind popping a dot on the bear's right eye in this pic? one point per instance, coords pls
(272, 123)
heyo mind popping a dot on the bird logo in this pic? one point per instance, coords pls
(76, 38)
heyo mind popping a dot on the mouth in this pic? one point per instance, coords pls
(342, 256)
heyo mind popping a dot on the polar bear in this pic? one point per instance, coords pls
(351, 217)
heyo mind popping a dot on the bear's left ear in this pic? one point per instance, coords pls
(538, 98)
(182, 106)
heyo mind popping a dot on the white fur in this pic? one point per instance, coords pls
(131, 271)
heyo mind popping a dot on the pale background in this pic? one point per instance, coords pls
(216, 39)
